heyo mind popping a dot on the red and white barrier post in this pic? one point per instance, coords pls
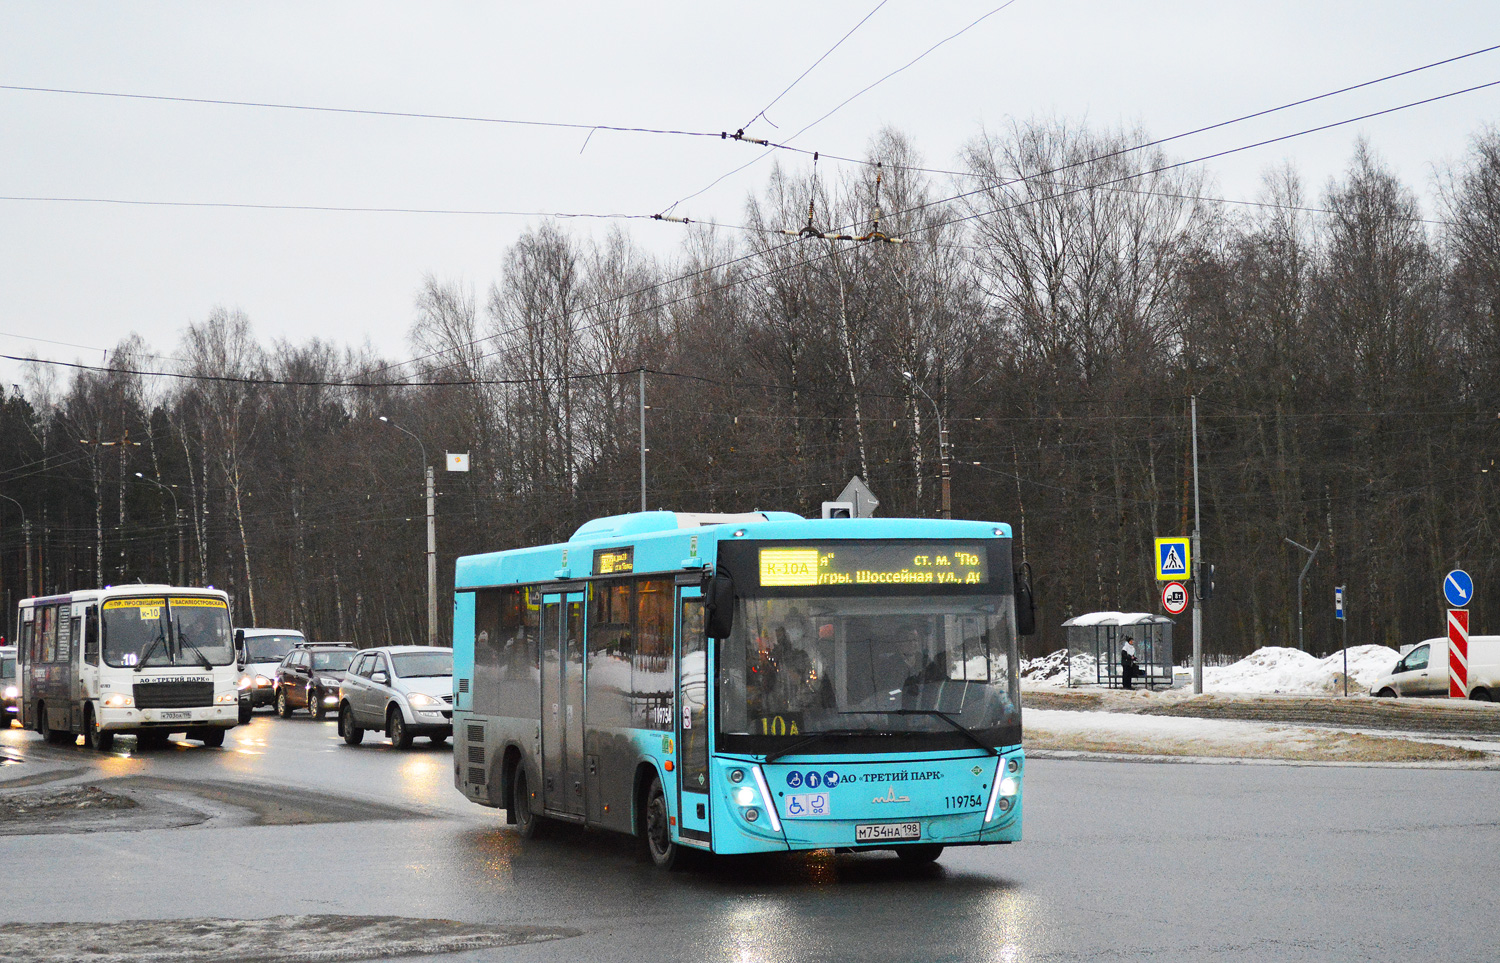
(1458, 653)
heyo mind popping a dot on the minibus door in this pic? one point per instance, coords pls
(561, 641)
(692, 715)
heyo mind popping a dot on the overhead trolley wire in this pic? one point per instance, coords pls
(762, 112)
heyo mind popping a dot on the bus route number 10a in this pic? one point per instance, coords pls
(777, 726)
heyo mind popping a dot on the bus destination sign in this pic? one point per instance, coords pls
(869, 563)
(614, 561)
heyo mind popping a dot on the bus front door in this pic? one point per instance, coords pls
(692, 715)
(561, 640)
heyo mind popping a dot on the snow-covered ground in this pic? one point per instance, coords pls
(1269, 670)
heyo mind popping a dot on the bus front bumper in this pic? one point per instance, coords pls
(222, 716)
(988, 813)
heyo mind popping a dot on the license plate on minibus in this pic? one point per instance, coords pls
(176, 715)
(880, 832)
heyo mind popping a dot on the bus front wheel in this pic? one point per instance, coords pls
(212, 737)
(664, 853)
(95, 738)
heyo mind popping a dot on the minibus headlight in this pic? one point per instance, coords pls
(245, 682)
(11, 692)
(119, 700)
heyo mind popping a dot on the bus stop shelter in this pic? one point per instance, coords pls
(1095, 639)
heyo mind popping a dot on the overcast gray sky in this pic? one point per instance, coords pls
(90, 273)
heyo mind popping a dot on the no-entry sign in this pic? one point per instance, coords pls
(1174, 598)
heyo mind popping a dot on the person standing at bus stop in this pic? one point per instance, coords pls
(1127, 662)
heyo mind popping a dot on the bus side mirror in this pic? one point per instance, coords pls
(1025, 601)
(718, 609)
(239, 648)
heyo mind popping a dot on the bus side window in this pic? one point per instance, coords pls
(91, 635)
(46, 631)
(23, 649)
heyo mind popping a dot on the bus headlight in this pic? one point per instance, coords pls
(12, 692)
(1003, 794)
(744, 795)
(119, 700)
(227, 698)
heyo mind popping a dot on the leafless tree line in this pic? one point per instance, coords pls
(1055, 308)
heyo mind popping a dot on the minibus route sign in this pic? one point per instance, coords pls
(853, 563)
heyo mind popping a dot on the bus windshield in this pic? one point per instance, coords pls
(158, 631)
(892, 664)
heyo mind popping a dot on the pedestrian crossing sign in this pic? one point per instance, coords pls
(1173, 560)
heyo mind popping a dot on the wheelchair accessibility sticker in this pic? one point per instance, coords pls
(806, 805)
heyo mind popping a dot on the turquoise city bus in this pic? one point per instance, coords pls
(748, 683)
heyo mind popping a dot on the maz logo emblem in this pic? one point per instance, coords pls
(891, 797)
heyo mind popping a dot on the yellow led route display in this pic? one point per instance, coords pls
(854, 563)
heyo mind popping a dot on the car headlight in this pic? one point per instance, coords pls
(423, 700)
(227, 698)
(119, 700)
(261, 680)
(12, 692)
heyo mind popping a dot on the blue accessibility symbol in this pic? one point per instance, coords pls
(813, 780)
(830, 779)
(794, 779)
(1458, 588)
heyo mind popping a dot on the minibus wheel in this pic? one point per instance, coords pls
(93, 737)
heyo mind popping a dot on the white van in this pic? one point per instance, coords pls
(1423, 670)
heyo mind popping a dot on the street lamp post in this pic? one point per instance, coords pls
(431, 537)
(25, 527)
(1312, 553)
(942, 443)
(177, 517)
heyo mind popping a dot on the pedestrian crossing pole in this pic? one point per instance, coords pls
(1197, 568)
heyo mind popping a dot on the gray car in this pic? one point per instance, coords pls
(404, 690)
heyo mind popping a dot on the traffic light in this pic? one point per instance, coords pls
(1206, 580)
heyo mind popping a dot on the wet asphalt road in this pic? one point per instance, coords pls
(1122, 861)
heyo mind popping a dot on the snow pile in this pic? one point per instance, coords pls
(1053, 670)
(1278, 669)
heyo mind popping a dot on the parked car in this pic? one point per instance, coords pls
(406, 690)
(1423, 670)
(10, 692)
(309, 677)
(262, 651)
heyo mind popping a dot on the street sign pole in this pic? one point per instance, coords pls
(1338, 613)
(1198, 567)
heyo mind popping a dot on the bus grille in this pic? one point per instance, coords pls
(476, 733)
(476, 754)
(476, 776)
(173, 695)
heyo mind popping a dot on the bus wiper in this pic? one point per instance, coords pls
(967, 732)
(776, 754)
(182, 640)
(161, 638)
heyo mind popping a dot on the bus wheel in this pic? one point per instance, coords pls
(664, 853)
(212, 737)
(93, 737)
(919, 854)
(397, 730)
(353, 734)
(56, 737)
(528, 823)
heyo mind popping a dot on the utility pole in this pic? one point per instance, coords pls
(1197, 566)
(26, 528)
(641, 399)
(1312, 553)
(431, 535)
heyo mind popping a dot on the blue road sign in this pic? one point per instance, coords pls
(1458, 588)
(1338, 602)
